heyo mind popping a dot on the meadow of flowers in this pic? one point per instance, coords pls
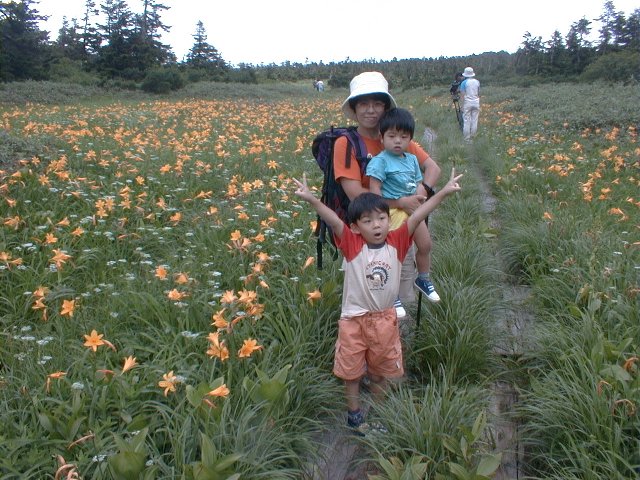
(162, 316)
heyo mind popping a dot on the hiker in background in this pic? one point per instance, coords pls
(368, 334)
(320, 85)
(394, 173)
(470, 92)
(368, 99)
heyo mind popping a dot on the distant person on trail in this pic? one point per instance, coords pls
(394, 173)
(318, 85)
(368, 99)
(368, 335)
(470, 92)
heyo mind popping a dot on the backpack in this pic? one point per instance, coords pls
(333, 194)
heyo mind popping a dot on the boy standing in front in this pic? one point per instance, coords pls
(368, 337)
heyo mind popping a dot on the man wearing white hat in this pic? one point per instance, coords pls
(470, 91)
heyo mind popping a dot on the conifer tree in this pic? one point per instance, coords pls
(203, 55)
(24, 52)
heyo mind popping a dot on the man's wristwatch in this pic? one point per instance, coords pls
(430, 191)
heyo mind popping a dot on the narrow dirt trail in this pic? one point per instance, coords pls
(512, 318)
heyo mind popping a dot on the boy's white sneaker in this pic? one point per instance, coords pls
(400, 311)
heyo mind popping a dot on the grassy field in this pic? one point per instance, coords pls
(162, 316)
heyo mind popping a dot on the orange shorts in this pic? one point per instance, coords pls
(369, 343)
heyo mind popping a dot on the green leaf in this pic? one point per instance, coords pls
(127, 465)
(617, 372)
(489, 464)
(202, 472)
(575, 311)
(459, 471)
(282, 374)
(209, 451)
(226, 462)
(479, 424)
(451, 444)
(46, 422)
(196, 394)
(137, 442)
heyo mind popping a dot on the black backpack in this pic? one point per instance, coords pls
(333, 194)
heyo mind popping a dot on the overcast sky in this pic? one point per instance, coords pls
(273, 31)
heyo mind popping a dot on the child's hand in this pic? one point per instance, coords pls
(453, 185)
(303, 190)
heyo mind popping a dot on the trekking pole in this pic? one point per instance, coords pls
(419, 311)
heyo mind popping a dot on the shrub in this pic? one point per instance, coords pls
(162, 81)
(614, 67)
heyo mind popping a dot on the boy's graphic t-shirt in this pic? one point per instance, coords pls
(371, 274)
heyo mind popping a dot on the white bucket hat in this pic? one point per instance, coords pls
(365, 84)
(468, 72)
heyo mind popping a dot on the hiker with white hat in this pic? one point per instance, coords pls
(470, 92)
(368, 100)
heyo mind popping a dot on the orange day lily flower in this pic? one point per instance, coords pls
(68, 306)
(218, 319)
(628, 364)
(59, 258)
(94, 340)
(313, 296)
(39, 305)
(53, 376)
(248, 347)
(309, 262)
(229, 297)
(221, 391)
(247, 297)
(41, 291)
(217, 348)
(13, 222)
(176, 295)
(50, 238)
(161, 272)
(129, 363)
(168, 382)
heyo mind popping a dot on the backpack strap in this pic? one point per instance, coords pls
(355, 141)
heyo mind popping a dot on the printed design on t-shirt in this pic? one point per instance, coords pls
(377, 275)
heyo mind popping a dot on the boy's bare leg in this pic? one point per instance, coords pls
(422, 239)
(352, 392)
(378, 387)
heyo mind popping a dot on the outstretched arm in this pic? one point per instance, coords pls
(328, 215)
(430, 205)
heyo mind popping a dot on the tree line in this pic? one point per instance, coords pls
(112, 45)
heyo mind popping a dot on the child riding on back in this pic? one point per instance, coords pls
(394, 173)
